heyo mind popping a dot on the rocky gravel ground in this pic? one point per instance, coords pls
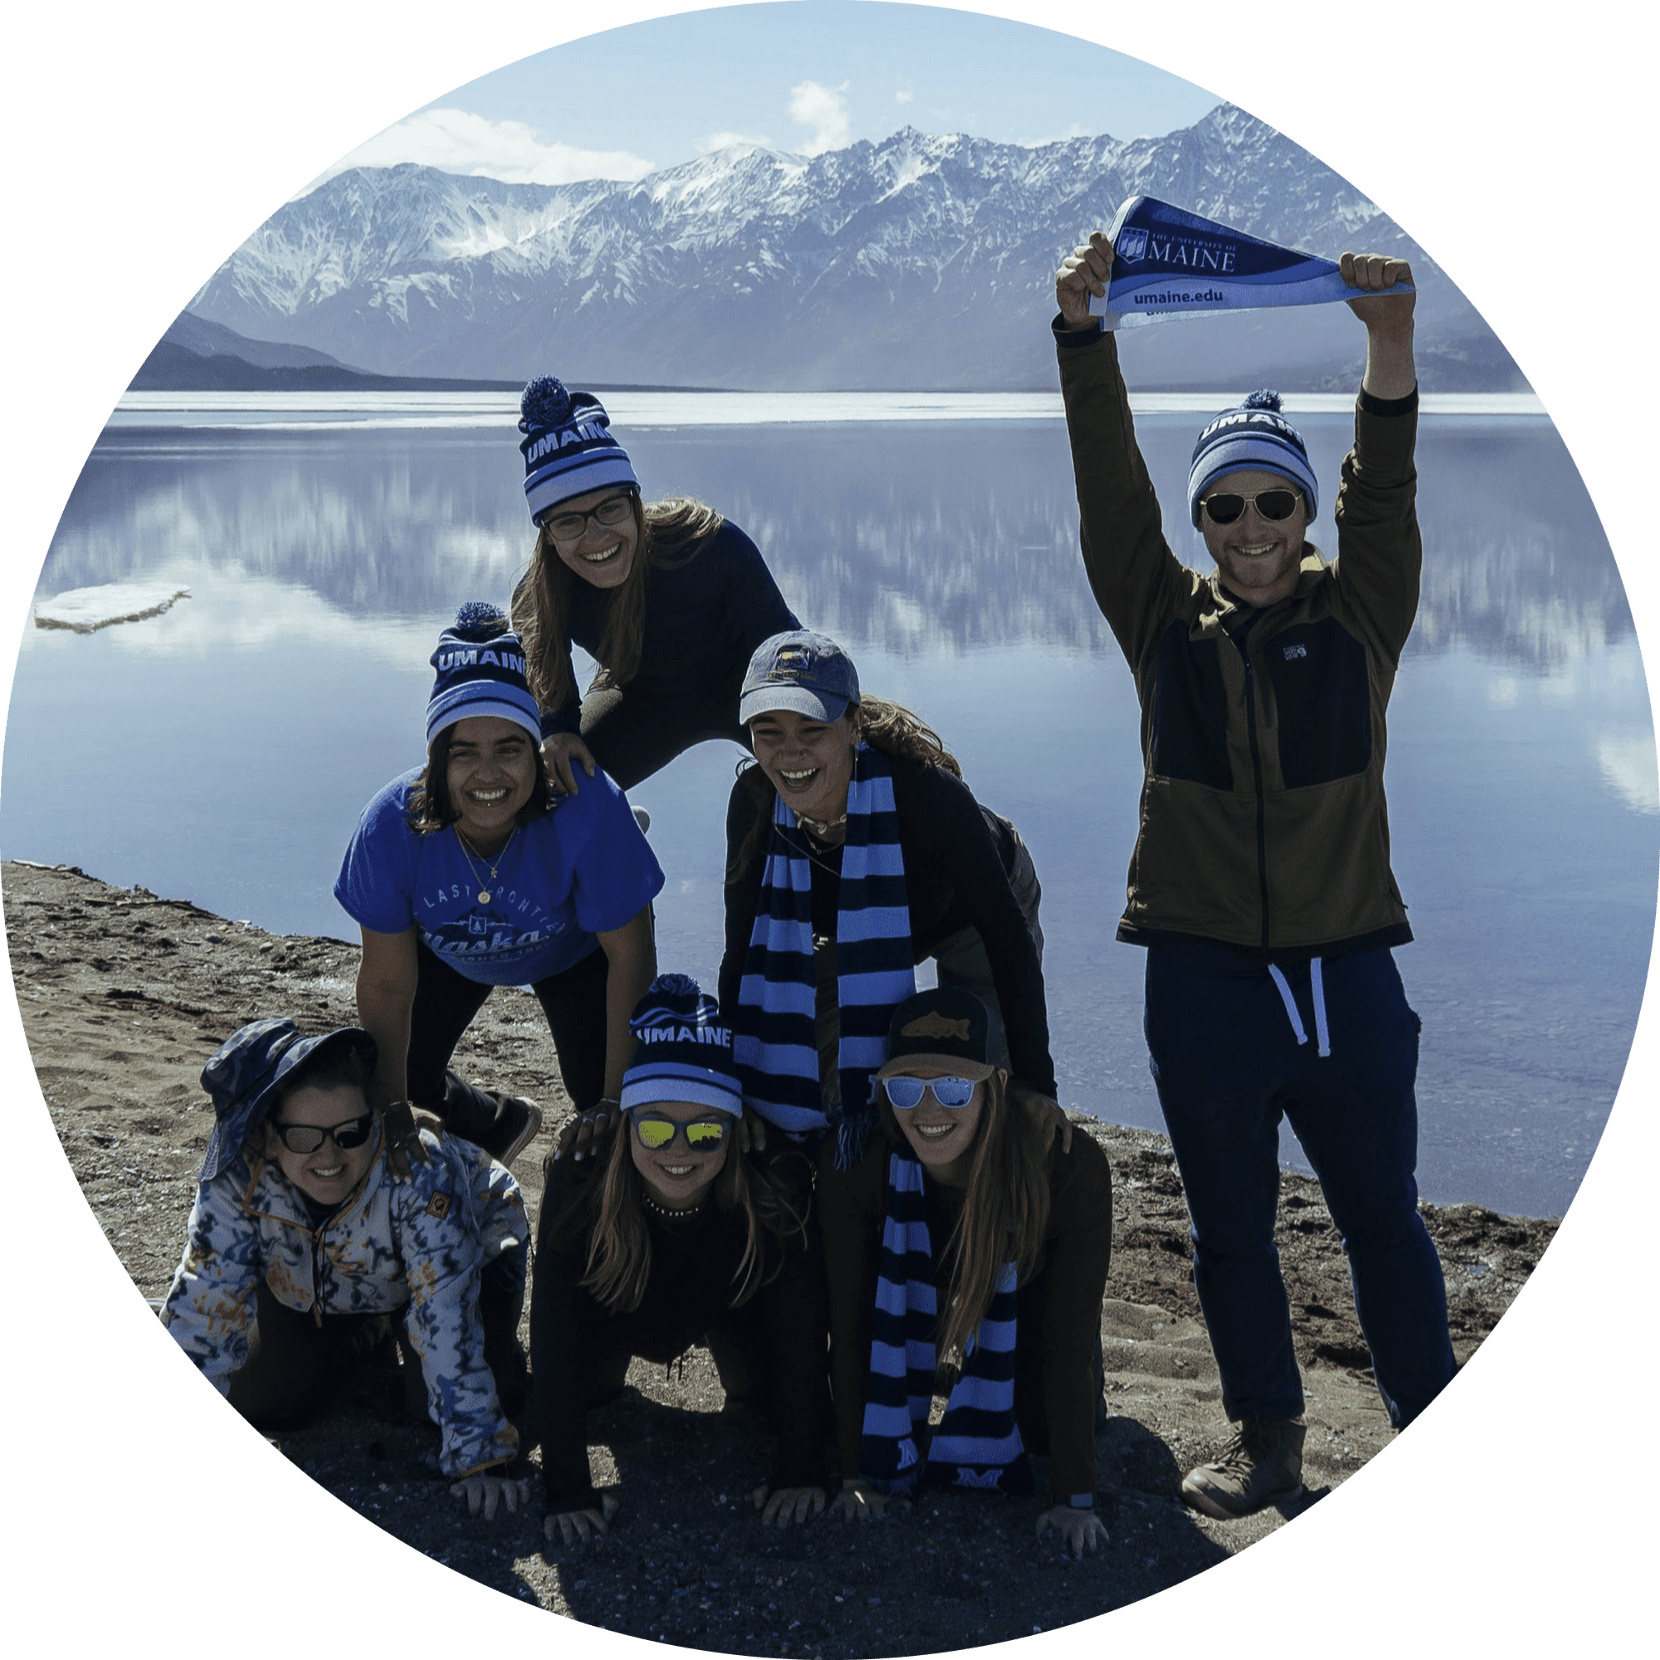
(124, 995)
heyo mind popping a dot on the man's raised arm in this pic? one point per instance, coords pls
(1379, 548)
(1132, 572)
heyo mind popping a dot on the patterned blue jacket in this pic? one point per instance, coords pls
(420, 1243)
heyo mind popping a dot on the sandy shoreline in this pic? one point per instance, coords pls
(124, 995)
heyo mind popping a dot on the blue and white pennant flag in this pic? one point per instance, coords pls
(1167, 261)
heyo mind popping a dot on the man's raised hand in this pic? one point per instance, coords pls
(1377, 273)
(1083, 274)
(1390, 371)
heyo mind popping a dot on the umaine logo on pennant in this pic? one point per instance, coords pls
(1132, 246)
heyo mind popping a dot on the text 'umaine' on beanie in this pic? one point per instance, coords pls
(685, 1051)
(480, 670)
(1252, 438)
(567, 446)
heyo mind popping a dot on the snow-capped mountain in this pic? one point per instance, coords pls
(915, 263)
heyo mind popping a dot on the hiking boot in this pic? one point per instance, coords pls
(1261, 1465)
(503, 1125)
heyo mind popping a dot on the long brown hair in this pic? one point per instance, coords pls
(889, 727)
(668, 534)
(610, 1211)
(1005, 1214)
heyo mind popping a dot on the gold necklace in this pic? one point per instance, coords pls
(467, 854)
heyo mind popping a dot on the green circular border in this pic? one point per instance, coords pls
(146, 146)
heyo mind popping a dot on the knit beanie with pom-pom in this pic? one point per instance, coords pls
(567, 446)
(479, 669)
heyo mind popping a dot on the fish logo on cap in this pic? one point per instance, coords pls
(934, 1025)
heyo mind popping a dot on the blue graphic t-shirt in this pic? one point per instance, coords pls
(576, 872)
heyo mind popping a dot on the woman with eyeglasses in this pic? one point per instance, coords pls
(677, 1238)
(966, 1258)
(303, 1253)
(470, 874)
(855, 850)
(666, 596)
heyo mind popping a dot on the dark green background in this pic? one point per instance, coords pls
(145, 148)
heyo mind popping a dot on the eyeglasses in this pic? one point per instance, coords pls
(307, 1138)
(572, 527)
(906, 1093)
(655, 1132)
(1225, 506)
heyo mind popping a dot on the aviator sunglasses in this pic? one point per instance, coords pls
(1225, 506)
(906, 1093)
(703, 1135)
(306, 1138)
(570, 527)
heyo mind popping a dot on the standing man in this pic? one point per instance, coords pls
(1260, 882)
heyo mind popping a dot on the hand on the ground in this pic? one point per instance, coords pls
(1083, 273)
(1378, 274)
(1080, 1530)
(866, 1503)
(571, 1525)
(560, 750)
(1045, 1112)
(484, 1492)
(788, 1504)
(403, 1141)
(587, 1135)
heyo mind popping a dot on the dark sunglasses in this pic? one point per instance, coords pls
(655, 1132)
(1224, 507)
(571, 527)
(906, 1093)
(306, 1138)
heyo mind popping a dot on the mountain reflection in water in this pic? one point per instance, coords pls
(944, 555)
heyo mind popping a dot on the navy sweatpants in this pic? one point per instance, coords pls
(1226, 1058)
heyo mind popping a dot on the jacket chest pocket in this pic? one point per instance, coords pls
(1322, 700)
(1190, 711)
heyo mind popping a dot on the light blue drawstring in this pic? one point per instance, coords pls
(1321, 1031)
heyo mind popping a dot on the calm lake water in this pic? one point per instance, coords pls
(237, 737)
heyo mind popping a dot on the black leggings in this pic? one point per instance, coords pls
(632, 734)
(296, 1362)
(445, 1003)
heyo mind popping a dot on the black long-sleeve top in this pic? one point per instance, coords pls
(956, 874)
(690, 1287)
(1058, 1310)
(703, 620)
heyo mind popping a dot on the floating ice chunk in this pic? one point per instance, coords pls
(88, 609)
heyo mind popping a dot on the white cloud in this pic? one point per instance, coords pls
(824, 109)
(457, 141)
(1628, 768)
(904, 95)
(725, 141)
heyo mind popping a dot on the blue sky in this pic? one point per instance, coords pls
(810, 76)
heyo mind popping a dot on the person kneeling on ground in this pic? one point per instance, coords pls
(302, 1246)
(967, 1256)
(677, 1238)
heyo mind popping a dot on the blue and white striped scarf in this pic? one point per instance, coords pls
(978, 1441)
(775, 1042)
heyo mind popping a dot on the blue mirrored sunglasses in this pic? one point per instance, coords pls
(906, 1093)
